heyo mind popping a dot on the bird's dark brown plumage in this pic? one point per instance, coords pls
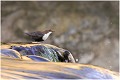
(38, 35)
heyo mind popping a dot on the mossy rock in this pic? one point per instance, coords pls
(46, 51)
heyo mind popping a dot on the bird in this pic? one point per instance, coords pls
(39, 36)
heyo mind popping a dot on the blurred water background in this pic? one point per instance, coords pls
(89, 30)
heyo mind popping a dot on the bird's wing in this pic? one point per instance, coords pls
(35, 34)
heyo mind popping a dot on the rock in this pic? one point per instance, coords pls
(10, 53)
(37, 52)
(21, 69)
(22, 61)
(38, 58)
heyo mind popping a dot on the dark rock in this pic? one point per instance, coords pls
(48, 52)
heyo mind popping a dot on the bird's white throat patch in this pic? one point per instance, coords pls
(46, 35)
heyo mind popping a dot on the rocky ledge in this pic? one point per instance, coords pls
(45, 61)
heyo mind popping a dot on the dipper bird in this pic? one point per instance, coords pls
(39, 36)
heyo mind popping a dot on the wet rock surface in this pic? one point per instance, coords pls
(36, 51)
(22, 69)
(16, 65)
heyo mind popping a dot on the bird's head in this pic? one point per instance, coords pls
(50, 30)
